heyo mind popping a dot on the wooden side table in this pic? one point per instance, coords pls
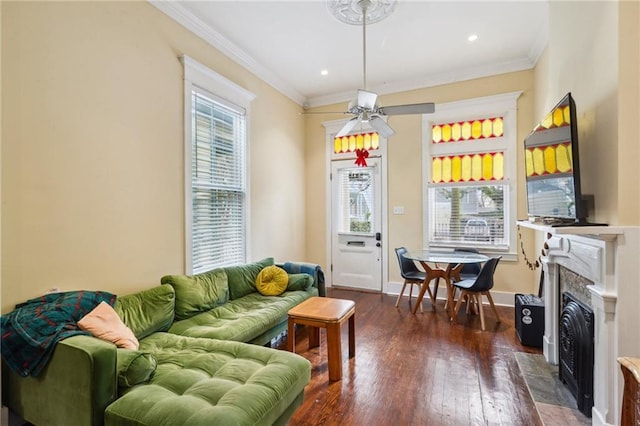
(330, 314)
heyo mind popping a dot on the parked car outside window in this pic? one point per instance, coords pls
(477, 230)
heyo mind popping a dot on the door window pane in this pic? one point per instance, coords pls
(357, 199)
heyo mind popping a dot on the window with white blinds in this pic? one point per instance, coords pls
(218, 183)
(469, 162)
(216, 192)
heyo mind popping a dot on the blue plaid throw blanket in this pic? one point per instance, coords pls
(31, 331)
(307, 268)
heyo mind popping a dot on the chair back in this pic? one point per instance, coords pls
(484, 282)
(469, 268)
(407, 267)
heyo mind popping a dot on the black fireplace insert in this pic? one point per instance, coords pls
(576, 351)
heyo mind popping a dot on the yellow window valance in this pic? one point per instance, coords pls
(477, 167)
(346, 144)
(467, 130)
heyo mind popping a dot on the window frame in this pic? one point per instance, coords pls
(504, 105)
(216, 87)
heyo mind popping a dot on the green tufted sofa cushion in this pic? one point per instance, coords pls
(242, 319)
(198, 293)
(208, 382)
(242, 278)
(147, 311)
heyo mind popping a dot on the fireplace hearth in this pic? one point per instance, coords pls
(576, 351)
(606, 261)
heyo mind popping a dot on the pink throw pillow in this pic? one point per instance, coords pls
(104, 323)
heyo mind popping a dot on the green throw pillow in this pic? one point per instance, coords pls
(198, 293)
(242, 278)
(134, 367)
(298, 282)
(147, 311)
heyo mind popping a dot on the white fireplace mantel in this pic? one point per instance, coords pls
(609, 257)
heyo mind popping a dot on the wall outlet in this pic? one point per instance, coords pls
(398, 210)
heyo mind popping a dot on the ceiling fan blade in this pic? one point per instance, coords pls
(366, 100)
(425, 108)
(381, 126)
(347, 127)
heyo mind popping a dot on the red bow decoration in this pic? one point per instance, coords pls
(361, 157)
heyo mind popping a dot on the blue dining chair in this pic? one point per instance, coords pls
(412, 275)
(474, 289)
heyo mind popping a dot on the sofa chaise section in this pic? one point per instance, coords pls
(201, 381)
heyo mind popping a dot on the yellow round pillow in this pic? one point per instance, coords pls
(272, 281)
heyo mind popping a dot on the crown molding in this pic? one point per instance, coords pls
(194, 24)
(178, 13)
(430, 81)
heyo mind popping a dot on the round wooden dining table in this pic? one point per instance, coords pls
(454, 260)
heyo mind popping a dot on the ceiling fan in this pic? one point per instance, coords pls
(364, 108)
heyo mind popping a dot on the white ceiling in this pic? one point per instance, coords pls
(423, 43)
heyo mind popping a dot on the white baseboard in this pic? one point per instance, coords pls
(501, 298)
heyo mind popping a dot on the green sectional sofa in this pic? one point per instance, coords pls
(194, 366)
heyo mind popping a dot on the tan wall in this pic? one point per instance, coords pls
(594, 53)
(583, 59)
(405, 172)
(629, 113)
(92, 149)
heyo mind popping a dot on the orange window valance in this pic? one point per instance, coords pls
(366, 141)
(549, 159)
(467, 130)
(477, 167)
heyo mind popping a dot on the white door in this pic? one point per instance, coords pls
(356, 225)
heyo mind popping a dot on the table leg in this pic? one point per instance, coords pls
(431, 274)
(291, 335)
(314, 337)
(452, 271)
(352, 335)
(450, 309)
(334, 351)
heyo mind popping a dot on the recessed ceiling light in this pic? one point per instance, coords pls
(324, 72)
(472, 37)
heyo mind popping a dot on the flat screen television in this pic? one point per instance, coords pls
(553, 168)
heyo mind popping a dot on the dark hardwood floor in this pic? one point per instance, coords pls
(417, 369)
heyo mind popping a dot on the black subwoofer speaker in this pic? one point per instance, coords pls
(529, 319)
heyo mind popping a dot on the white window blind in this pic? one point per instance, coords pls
(468, 215)
(218, 183)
